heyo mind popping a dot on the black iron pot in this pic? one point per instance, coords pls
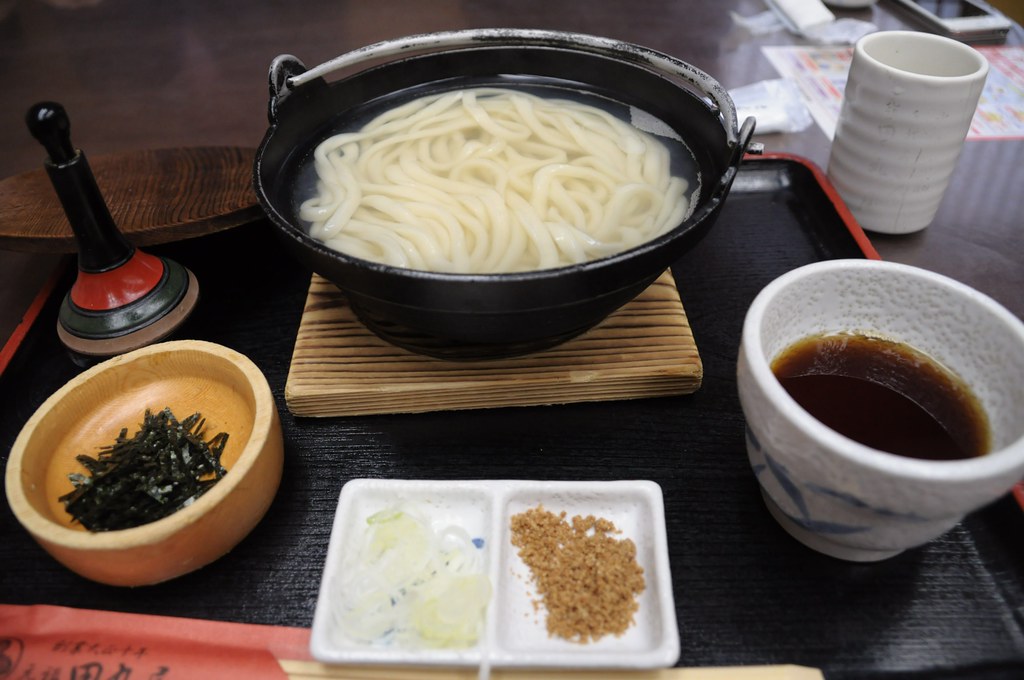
(469, 316)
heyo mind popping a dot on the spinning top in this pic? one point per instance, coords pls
(122, 298)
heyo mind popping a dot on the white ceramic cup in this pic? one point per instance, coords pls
(907, 108)
(843, 498)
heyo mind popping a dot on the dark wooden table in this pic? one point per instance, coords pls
(139, 74)
(143, 75)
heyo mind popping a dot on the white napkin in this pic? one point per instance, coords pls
(800, 15)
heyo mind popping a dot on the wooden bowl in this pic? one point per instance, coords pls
(90, 411)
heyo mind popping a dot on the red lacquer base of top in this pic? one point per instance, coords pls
(118, 286)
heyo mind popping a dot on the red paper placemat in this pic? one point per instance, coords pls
(42, 642)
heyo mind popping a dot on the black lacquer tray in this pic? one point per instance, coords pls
(745, 592)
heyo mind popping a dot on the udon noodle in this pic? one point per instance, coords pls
(490, 180)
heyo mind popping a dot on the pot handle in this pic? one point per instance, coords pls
(288, 74)
(283, 69)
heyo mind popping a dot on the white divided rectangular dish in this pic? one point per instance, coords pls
(514, 632)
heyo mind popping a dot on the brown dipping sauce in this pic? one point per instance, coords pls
(885, 395)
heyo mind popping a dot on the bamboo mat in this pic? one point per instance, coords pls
(339, 368)
(310, 670)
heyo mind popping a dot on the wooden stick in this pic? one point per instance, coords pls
(311, 670)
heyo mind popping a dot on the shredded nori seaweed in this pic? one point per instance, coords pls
(164, 467)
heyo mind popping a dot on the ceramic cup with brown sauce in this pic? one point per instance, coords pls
(865, 488)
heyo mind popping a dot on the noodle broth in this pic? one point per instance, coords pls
(449, 203)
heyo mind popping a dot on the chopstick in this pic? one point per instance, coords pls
(311, 670)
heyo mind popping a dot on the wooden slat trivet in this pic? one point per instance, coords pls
(339, 367)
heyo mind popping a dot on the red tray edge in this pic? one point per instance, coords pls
(32, 313)
(856, 231)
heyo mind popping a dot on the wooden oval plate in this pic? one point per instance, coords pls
(154, 196)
